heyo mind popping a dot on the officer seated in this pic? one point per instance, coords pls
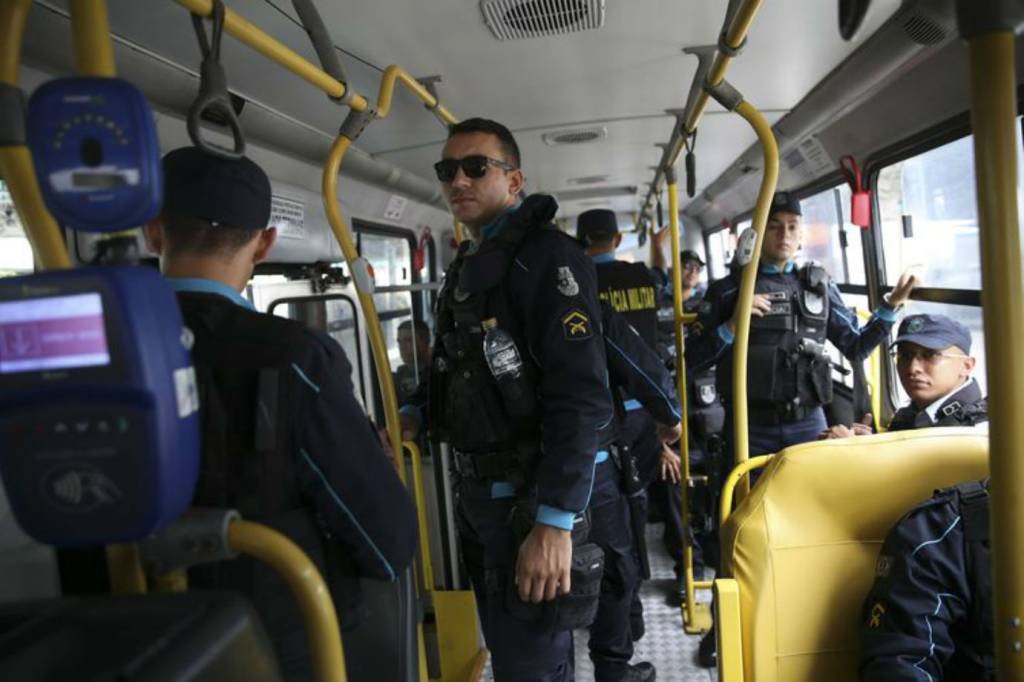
(934, 363)
(284, 440)
(929, 613)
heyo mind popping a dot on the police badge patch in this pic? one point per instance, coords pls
(915, 325)
(567, 285)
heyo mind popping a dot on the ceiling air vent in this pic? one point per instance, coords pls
(921, 28)
(574, 136)
(518, 19)
(587, 180)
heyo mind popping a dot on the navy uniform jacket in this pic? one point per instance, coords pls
(321, 478)
(920, 609)
(637, 369)
(550, 289)
(710, 342)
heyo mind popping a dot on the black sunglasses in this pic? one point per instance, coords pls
(474, 167)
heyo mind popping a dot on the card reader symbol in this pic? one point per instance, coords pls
(81, 488)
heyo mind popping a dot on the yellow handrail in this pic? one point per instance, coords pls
(770, 149)
(237, 26)
(421, 513)
(90, 27)
(124, 567)
(309, 589)
(739, 473)
(16, 167)
(395, 74)
(993, 119)
(734, 37)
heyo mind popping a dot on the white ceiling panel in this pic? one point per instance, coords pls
(623, 75)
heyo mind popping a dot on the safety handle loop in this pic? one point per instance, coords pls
(851, 171)
(213, 96)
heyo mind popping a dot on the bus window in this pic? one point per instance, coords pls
(721, 244)
(15, 250)
(929, 218)
(826, 219)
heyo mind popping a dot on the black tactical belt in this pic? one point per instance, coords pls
(486, 465)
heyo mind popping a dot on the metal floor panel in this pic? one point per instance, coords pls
(671, 650)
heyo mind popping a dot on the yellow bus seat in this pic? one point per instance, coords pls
(802, 546)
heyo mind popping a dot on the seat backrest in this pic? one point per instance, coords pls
(803, 544)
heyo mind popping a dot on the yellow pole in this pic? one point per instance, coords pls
(734, 37)
(16, 167)
(692, 621)
(770, 149)
(329, 188)
(125, 570)
(309, 589)
(94, 52)
(735, 478)
(421, 512)
(395, 74)
(993, 119)
(274, 50)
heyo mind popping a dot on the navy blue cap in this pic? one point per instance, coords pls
(594, 222)
(223, 191)
(785, 201)
(936, 332)
(690, 254)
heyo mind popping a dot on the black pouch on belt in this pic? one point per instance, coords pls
(576, 609)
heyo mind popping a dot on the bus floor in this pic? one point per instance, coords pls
(665, 644)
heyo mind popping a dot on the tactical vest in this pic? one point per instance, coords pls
(629, 289)
(467, 406)
(974, 657)
(966, 407)
(789, 372)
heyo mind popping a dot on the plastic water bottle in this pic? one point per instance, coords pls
(506, 367)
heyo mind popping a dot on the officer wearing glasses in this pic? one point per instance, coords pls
(523, 422)
(934, 363)
(929, 612)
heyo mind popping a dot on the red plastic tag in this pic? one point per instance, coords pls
(860, 202)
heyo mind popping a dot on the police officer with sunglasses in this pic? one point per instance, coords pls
(523, 416)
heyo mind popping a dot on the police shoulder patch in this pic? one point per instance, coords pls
(576, 325)
(567, 285)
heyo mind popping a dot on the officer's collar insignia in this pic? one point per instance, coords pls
(576, 325)
(915, 325)
(567, 285)
(952, 409)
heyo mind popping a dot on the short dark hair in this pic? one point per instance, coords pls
(422, 330)
(185, 234)
(601, 239)
(484, 125)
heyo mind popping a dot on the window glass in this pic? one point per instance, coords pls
(825, 215)
(390, 257)
(721, 246)
(929, 216)
(15, 250)
(969, 316)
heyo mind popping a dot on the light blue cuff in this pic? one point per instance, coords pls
(602, 457)
(558, 518)
(887, 314)
(502, 490)
(727, 336)
(632, 405)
